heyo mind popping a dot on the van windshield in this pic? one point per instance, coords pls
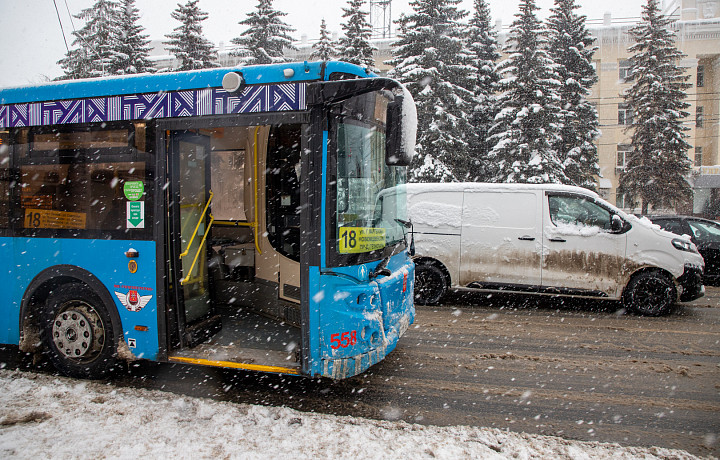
(370, 207)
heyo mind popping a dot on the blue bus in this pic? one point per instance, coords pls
(222, 217)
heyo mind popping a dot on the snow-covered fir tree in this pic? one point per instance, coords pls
(571, 47)
(526, 129)
(483, 46)
(324, 49)
(656, 169)
(94, 42)
(265, 37)
(187, 42)
(131, 55)
(432, 60)
(354, 46)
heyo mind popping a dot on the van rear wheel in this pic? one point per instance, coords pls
(650, 294)
(430, 284)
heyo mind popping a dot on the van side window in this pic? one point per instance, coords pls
(577, 210)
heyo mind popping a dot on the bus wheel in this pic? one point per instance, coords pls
(78, 332)
(430, 284)
(649, 293)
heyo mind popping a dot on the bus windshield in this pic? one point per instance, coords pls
(370, 207)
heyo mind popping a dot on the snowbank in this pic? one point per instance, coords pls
(53, 417)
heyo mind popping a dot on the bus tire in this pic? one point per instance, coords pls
(430, 284)
(78, 332)
(650, 293)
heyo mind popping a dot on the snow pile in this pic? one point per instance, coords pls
(53, 417)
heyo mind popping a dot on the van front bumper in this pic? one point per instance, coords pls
(692, 283)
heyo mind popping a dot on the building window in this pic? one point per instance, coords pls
(624, 70)
(623, 153)
(698, 156)
(620, 200)
(700, 76)
(699, 117)
(624, 115)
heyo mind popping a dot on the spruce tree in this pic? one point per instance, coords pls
(94, 42)
(355, 46)
(571, 47)
(483, 46)
(656, 169)
(432, 60)
(324, 48)
(131, 55)
(527, 126)
(187, 42)
(266, 36)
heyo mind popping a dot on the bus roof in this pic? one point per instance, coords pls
(174, 81)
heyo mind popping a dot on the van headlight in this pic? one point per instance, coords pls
(683, 245)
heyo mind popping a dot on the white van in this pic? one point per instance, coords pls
(546, 239)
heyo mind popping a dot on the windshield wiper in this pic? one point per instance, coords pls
(381, 269)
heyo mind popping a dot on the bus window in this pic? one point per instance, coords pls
(228, 184)
(77, 196)
(91, 139)
(82, 180)
(283, 190)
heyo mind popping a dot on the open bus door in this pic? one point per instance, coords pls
(232, 246)
(190, 220)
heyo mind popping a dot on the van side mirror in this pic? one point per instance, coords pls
(616, 223)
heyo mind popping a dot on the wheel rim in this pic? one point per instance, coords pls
(652, 295)
(428, 286)
(78, 332)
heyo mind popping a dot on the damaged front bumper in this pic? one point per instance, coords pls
(691, 282)
(342, 368)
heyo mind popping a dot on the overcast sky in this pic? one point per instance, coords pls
(33, 42)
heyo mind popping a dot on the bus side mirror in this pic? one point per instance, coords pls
(401, 130)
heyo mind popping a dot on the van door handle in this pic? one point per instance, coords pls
(558, 240)
(526, 238)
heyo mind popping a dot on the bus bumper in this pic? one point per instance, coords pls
(341, 368)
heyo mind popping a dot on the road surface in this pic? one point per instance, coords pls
(578, 371)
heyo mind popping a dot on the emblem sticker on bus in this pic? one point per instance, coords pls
(132, 300)
(360, 239)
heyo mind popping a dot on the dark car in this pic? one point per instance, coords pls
(706, 236)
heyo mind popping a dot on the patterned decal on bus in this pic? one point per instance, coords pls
(211, 101)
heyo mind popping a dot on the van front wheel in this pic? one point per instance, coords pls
(650, 294)
(430, 284)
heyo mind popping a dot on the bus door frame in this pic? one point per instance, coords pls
(310, 193)
(175, 220)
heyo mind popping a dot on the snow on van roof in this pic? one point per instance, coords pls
(416, 188)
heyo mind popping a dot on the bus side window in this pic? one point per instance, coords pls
(283, 190)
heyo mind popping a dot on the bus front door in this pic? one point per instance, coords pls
(190, 219)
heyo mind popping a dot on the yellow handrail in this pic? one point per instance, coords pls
(185, 280)
(197, 227)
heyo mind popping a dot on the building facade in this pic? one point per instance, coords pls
(697, 29)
